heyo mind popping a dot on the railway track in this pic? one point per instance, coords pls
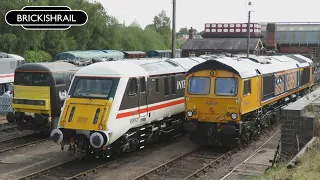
(182, 167)
(19, 142)
(6, 127)
(65, 170)
(245, 162)
(75, 168)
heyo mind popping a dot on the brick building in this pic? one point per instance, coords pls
(224, 38)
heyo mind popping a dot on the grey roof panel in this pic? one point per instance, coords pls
(294, 27)
(300, 60)
(220, 43)
(173, 65)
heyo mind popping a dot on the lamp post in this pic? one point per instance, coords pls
(173, 28)
(248, 29)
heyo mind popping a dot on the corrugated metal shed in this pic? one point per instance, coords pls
(296, 33)
(220, 44)
(295, 27)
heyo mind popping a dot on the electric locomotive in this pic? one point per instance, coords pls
(229, 100)
(39, 93)
(121, 106)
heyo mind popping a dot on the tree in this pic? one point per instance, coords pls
(102, 31)
(161, 23)
(183, 31)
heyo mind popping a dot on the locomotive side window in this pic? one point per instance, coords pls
(133, 87)
(173, 85)
(142, 85)
(157, 85)
(166, 86)
(247, 87)
(59, 79)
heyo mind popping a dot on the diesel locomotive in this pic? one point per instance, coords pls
(39, 93)
(228, 100)
(120, 106)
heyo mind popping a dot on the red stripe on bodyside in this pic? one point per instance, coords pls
(7, 75)
(148, 109)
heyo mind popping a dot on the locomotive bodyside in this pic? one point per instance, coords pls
(228, 100)
(123, 105)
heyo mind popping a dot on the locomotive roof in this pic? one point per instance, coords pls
(48, 67)
(254, 65)
(17, 57)
(136, 68)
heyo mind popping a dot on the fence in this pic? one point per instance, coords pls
(5, 105)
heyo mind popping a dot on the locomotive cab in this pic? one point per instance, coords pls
(39, 93)
(213, 96)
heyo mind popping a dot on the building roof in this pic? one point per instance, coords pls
(254, 65)
(294, 27)
(220, 44)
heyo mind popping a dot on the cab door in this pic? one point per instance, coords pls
(142, 96)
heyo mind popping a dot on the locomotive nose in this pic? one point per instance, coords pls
(97, 140)
(57, 136)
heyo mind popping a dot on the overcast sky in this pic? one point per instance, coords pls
(195, 13)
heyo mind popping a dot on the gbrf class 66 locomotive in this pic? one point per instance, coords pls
(228, 100)
(120, 106)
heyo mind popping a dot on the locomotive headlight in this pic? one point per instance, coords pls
(234, 116)
(189, 113)
(195, 112)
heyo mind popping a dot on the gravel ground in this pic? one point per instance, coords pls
(30, 159)
(226, 166)
(14, 134)
(140, 162)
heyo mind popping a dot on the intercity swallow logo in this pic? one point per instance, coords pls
(46, 17)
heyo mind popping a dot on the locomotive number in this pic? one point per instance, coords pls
(134, 120)
(231, 108)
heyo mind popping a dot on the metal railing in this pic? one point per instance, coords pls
(5, 105)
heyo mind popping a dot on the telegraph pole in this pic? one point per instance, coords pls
(248, 29)
(173, 28)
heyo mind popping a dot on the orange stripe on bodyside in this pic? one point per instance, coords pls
(148, 109)
(7, 75)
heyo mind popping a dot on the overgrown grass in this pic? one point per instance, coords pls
(309, 169)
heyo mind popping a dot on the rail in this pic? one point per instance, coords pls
(14, 147)
(4, 127)
(42, 171)
(165, 164)
(253, 154)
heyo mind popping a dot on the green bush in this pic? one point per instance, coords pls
(37, 56)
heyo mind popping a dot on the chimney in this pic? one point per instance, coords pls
(191, 33)
(271, 38)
